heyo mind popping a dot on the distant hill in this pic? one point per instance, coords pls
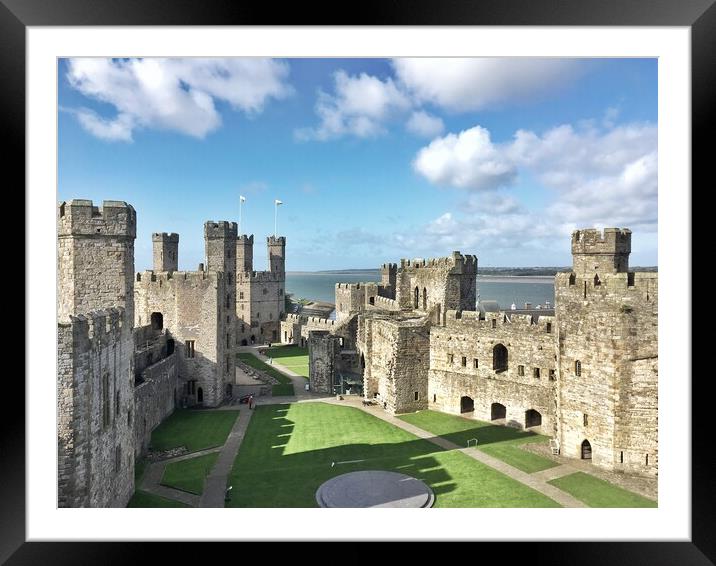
(504, 271)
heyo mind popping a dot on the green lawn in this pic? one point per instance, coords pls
(189, 475)
(501, 442)
(599, 493)
(196, 430)
(288, 450)
(145, 499)
(294, 358)
(285, 386)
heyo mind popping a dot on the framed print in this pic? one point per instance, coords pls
(494, 141)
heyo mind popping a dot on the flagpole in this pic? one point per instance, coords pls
(240, 201)
(275, 218)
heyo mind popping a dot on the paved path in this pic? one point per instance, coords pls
(530, 480)
(555, 472)
(153, 475)
(215, 486)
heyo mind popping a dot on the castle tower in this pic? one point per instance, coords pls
(95, 257)
(277, 253)
(607, 355)
(165, 251)
(220, 245)
(245, 253)
(594, 253)
(389, 275)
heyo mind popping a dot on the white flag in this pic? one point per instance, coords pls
(243, 198)
(278, 201)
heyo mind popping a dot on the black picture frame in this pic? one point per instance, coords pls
(699, 15)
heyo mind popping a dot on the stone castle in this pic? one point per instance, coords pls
(583, 373)
(132, 347)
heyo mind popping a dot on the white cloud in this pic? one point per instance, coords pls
(468, 160)
(592, 178)
(425, 125)
(173, 94)
(462, 84)
(359, 106)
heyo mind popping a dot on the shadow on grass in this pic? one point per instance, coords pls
(278, 352)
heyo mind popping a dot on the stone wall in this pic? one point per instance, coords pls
(609, 327)
(193, 308)
(321, 361)
(95, 410)
(462, 365)
(154, 400)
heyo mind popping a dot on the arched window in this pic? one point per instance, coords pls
(532, 418)
(199, 395)
(498, 411)
(586, 450)
(572, 278)
(425, 299)
(417, 298)
(577, 368)
(467, 405)
(499, 358)
(597, 281)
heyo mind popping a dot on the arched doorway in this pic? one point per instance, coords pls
(199, 395)
(498, 411)
(533, 418)
(586, 450)
(499, 358)
(244, 343)
(229, 389)
(157, 321)
(467, 405)
(416, 299)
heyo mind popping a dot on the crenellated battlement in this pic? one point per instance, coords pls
(97, 328)
(386, 303)
(259, 276)
(245, 239)
(165, 237)
(220, 230)
(593, 241)
(389, 266)
(79, 217)
(455, 260)
(471, 321)
(276, 241)
(149, 277)
(635, 280)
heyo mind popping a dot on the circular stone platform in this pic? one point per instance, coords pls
(374, 488)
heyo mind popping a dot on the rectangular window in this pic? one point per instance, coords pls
(536, 373)
(189, 348)
(241, 294)
(552, 375)
(647, 459)
(416, 398)
(520, 370)
(494, 323)
(117, 403)
(621, 457)
(630, 279)
(577, 368)
(449, 358)
(435, 398)
(464, 362)
(475, 363)
(549, 327)
(585, 418)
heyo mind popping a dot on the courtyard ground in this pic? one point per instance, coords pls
(285, 385)
(289, 450)
(502, 442)
(294, 358)
(599, 493)
(189, 475)
(195, 429)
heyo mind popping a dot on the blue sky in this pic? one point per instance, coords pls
(374, 159)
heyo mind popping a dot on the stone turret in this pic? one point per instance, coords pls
(245, 253)
(165, 251)
(597, 253)
(277, 253)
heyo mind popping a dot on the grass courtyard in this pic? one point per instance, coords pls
(501, 442)
(189, 475)
(294, 358)
(197, 430)
(284, 387)
(289, 450)
(596, 492)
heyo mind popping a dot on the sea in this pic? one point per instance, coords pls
(538, 290)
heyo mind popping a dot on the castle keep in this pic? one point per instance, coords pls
(132, 348)
(584, 373)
